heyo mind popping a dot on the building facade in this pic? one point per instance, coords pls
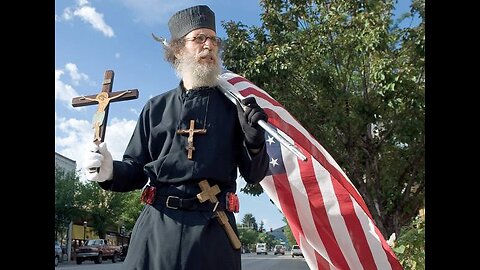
(65, 163)
(68, 165)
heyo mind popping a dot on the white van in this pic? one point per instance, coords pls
(261, 248)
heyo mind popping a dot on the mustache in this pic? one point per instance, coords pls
(205, 53)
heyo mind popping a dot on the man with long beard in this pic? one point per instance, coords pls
(186, 135)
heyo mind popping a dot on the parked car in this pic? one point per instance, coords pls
(261, 248)
(98, 250)
(58, 253)
(296, 251)
(279, 249)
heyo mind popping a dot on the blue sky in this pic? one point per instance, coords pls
(94, 36)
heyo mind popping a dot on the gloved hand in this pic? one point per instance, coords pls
(98, 157)
(254, 134)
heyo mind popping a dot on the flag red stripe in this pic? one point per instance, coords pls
(252, 91)
(392, 258)
(289, 209)
(287, 203)
(238, 79)
(364, 253)
(320, 215)
(321, 262)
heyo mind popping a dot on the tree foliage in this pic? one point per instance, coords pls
(288, 233)
(103, 210)
(251, 233)
(248, 237)
(410, 246)
(131, 210)
(67, 205)
(104, 207)
(249, 221)
(338, 66)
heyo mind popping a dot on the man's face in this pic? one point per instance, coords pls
(205, 53)
(199, 61)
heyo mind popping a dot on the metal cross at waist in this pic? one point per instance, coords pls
(103, 100)
(191, 131)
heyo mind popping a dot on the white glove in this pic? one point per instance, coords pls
(98, 157)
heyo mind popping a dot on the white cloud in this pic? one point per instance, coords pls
(82, 2)
(265, 224)
(91, 16)
(74, 136)
(75, 75)
(135, 111)
(88, 14)
(67, 14)
(155, 11)
(63, 91)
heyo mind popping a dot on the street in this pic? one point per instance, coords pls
(250, 261)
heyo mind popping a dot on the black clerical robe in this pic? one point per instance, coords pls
(164, 238)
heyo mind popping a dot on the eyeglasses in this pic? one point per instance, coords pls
(201, 39)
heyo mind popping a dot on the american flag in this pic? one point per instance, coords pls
(328, 217)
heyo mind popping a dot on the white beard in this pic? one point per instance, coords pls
(201, 74)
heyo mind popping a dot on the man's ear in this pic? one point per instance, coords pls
(178, 54)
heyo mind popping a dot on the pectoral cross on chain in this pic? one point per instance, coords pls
(103, 100)
(191, 131)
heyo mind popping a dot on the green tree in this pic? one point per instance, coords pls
(248, 237)
(339, 67)
(248, 232)
(132, 207)
(261, 226)
(249, 221)
(410, 246)
(288, 233)
(267, 238)
(67, 205)
(104, 208)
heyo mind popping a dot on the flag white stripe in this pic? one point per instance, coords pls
(335, 217)
(308, 252)
(374, 242)
(303, 209)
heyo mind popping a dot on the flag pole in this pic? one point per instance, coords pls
(224, 88)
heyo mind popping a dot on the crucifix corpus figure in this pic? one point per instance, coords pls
(191, 131)
(103, 100)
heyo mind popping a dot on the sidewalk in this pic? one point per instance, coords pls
(73, 262)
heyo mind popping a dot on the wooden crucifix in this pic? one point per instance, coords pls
(191, 131)
(208, 194)
(103, 100)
